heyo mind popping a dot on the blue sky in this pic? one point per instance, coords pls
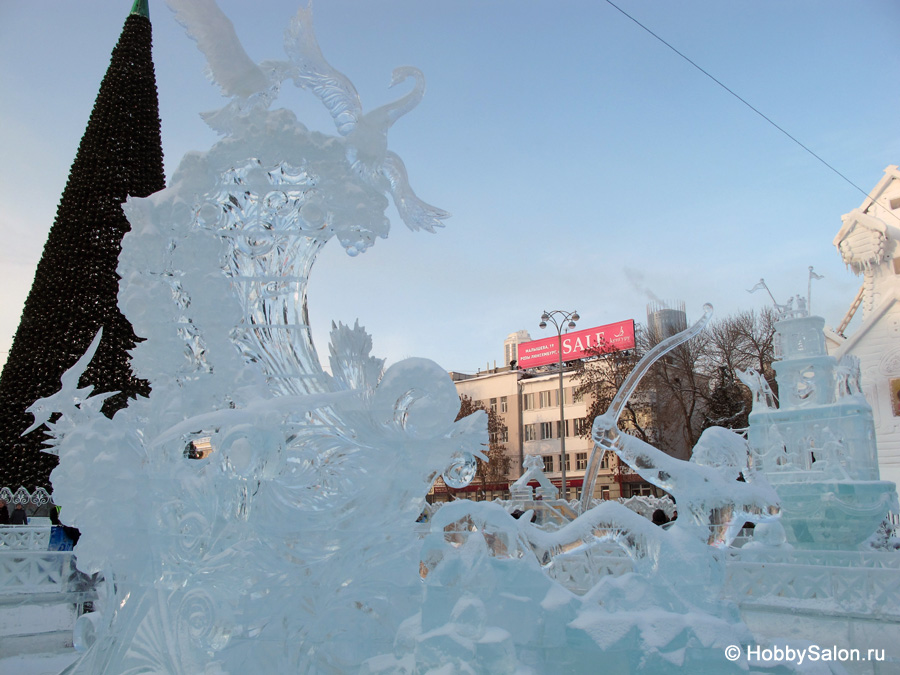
(586, 165)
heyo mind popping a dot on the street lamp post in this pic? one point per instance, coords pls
(560, 320)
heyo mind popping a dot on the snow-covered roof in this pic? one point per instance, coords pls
(865, 235)
(891, 174)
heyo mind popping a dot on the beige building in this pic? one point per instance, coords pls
(527, 404)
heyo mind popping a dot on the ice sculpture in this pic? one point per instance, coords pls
(258, 514)
(480, 566)
(817, 447)
(713, 503)
(71, 397)
(252, 494)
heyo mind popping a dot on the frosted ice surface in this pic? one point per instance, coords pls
(252, 494)
(257, 513)
(817, 447)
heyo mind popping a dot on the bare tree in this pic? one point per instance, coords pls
(680, 382)
(496, 469)
(691, 388)
(744, 340)
(600, 376)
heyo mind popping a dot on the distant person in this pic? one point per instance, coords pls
(60, 538)
(4, 514)
(72, 534)
(659, 517)
(18, 517)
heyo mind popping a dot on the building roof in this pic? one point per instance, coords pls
(891, 173)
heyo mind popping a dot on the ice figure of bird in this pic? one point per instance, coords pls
(71, 398)
(251, 85)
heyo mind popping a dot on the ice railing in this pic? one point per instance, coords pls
(769, 577)
(819, 581)
(24, 537)
(36, 536)
(24, 573)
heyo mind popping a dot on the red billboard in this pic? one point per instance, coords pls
(614, 336)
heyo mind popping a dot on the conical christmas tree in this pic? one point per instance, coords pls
(75, 286)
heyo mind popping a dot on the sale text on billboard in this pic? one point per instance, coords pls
(612, 336)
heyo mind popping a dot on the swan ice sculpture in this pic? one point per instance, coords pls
(253, 88)
(252, 493)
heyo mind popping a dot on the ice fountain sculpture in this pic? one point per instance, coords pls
(817, 446)
(256, 513)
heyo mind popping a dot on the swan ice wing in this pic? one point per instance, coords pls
(414, 212)
(229, 65)
(313, 72)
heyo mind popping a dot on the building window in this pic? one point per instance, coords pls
(528, 402)
(548, 463)
(580, 461)
(504, 434)
(577, 396)
(580, 425)
(558, 434)
(604, 463)
(503, 405)
(546, 430)
(604, 492)
(546, 399)
(568, 467)
(641, 490)
(531, 432)
(493, 407)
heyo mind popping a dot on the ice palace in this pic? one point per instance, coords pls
(293, 545)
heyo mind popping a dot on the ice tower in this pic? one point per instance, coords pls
(817, 447)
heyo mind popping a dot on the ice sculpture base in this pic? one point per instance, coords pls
(833, 515)
(826, 598)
